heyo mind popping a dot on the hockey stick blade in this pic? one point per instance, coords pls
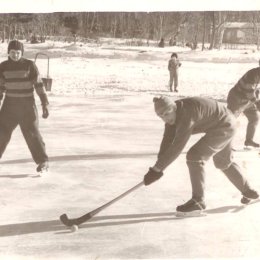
(77, 221)
(74, 221)
(65, 220)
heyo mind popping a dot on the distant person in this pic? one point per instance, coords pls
(172, 42)
(173, 67)
(161, 43)
(243, 98)
(19, 77)
(184, 118)
(34, 39)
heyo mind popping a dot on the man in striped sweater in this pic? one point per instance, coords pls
(19, 78)
(243, 98)
(184, 118)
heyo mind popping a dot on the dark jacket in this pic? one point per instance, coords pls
(194, 115)
(173, 65)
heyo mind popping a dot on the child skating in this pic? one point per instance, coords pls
(19, 78)
(173, 67)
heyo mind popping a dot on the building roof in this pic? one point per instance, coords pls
(237, 25)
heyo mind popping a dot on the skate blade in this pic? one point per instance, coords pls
(250, 148)
(194, 213)
(246, 201)
(43, 172)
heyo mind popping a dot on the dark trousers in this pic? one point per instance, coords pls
(215, 143)
(239, 104)
(24, 113)
(252, 116)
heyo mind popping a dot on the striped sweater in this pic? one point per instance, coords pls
(19, 79)
(244, 93)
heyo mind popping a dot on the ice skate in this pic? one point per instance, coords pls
(251, 145)
(42, 167)
(248, 196)
(191, 208)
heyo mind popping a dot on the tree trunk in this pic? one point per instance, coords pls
(161, 26)
(213, 32)
(220, 36)
(92, 22)
(204, 32)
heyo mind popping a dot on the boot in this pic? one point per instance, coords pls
(191, 208)
(251, 145)
(42, 167)
(249, 195)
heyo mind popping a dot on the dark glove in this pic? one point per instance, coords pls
(179, 64)
(152, 176)
(45, 112)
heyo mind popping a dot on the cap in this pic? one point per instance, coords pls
(162, 103)
(15, 45)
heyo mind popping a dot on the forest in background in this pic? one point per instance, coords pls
(181, 28)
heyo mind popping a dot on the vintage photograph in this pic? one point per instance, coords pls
(129, 134)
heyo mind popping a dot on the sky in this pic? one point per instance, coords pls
(13, 6)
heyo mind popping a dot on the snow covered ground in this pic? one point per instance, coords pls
(101, 136)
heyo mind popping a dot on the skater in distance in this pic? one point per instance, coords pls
(19, 77)
(243, 98)
(188, 116)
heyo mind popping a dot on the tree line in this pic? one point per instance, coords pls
(182, 27)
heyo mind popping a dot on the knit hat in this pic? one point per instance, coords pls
(161, 104)
(174, 54)
(15, 45)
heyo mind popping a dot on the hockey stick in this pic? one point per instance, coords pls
(77, 221)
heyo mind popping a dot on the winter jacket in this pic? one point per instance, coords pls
(173, 64)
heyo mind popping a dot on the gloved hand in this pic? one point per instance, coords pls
(45, 112)
(179, 64)
(152, 176)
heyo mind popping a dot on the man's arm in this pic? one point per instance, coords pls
(182, 135)
(168, 136)
(169, 65)
(2, 85)
(40, 90)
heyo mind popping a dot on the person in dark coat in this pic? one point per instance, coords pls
(188, 116)
(161, 43)
(19, 78)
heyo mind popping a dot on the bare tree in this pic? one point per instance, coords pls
(218, 21)
(256, 24)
